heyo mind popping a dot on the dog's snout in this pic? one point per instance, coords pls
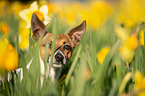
(59, 57)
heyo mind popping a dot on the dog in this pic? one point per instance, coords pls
(65, 45)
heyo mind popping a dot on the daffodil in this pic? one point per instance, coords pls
(4, 28)
(97, 14)
(122, 33)
(132, 41)
(125, 80)
(141, 37)
(24, 42)
(131, 12)
(139, 83)
(128, 43)
(23, 35)
(42, 13)
(126, 53)
(102, 54)
(127, 48)
(8, 56)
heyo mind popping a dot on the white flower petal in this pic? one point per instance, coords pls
(34, 6)
(44, 9)
(46, 20)
(23, 14)
(28, 25)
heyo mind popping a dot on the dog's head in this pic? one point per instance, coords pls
(64, 43)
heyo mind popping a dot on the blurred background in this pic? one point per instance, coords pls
(109, 60)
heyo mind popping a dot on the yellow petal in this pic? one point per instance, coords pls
(3, 45)
(44, 9)
(24, 14)
(138, 79)
(121, 32)
(102, 54)
(126, 53)
(124, 81)
(10, 60)
(132, 42)
(40, 15)
(34, 6)
(24, 43)
(141, 37)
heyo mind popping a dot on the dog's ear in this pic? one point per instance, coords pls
(77, 33)
(37, 27)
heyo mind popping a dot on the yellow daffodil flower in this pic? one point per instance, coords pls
(126, 53)
(131, 12)
(4, 28)
(102, 54)
(128, 43)
(141, 37)
(127, 48)
(122, 33)
(26, 14)
(132, 41)
(125, 80)
(8, 56)
(23, 35)
(24, 42)
(10, 60)
(97, 14)
(139, 83)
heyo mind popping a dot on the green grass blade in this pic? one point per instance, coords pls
(54, 42)
(73, 66)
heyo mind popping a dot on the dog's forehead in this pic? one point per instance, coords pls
(59, 38)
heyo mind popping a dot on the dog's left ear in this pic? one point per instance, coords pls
(37, 27)
(77, 33)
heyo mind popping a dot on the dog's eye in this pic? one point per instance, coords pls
(67, 47)
(50, 45)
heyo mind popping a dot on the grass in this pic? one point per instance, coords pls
(85, 76)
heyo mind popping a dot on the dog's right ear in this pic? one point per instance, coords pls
(37, 27)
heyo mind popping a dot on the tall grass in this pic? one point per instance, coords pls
(85, 76)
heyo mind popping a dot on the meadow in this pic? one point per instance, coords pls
(108, 62)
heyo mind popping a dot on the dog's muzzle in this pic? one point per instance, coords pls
(59, 59)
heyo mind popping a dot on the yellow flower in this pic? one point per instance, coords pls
(8, 56)
(10, 60)
(125, 81)
(128, 43)
(131, 12)
(127, 48)
(139, 83)
(141, 37)
(24, 42)
(26, 14)
(97, 14)
(102, 54)
(23, 35)
(122, 33)
(4, 28)
(126, 53)
(132, 41)
(3, 43)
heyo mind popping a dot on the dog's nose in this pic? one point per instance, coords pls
(59, 57)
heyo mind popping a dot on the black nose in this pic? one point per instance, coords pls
(59, 57)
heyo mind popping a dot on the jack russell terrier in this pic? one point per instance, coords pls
(63, 50)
